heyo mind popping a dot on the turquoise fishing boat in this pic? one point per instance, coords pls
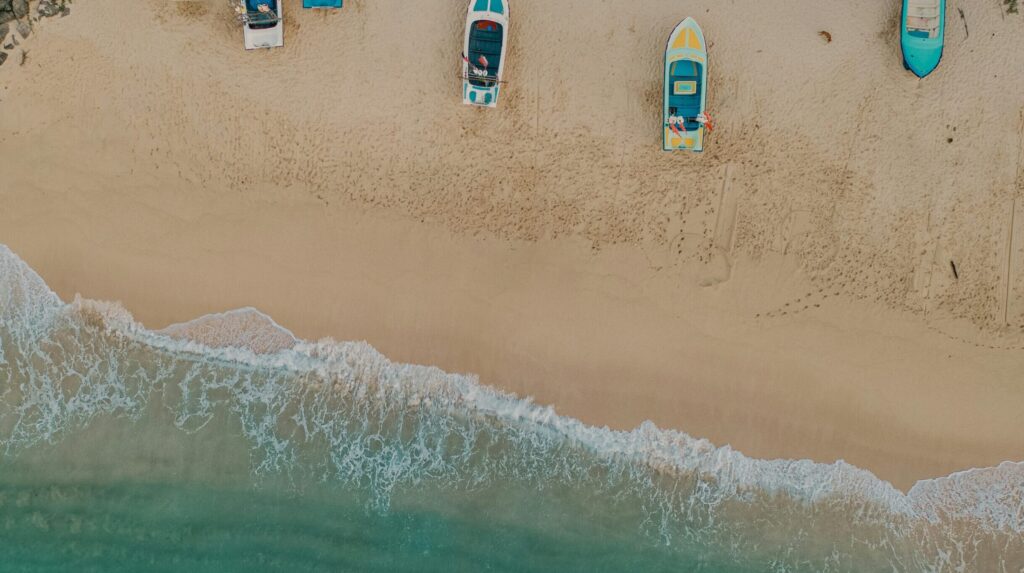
(322, 3)
(921, 34)
(483, 55)
(685, 118)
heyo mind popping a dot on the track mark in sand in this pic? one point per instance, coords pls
(725, 223)
(689, 234)
(1013, 290)
(192, 9)
(808, 301)
(536, 114)
(1013, 300)
(705, 232)
(797, 223)
(1020, 153)
(718, 266)
(924, 271)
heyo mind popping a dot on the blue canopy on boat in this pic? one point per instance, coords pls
(254, 5)
(685, 91)
(485, 39)
(261, 20)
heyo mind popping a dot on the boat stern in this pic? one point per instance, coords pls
(678, 140)
(479, 95)
(256, 39)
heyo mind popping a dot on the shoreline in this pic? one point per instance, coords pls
(881, 393)
(550, 249)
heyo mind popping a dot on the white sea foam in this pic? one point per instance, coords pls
(25, 299)
(388, 424)
(241, 328)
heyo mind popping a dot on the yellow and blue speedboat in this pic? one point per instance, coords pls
(686, 74)
(921, 34)
(483, 55)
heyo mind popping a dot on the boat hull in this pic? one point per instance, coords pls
(483, 89)
(685, 92)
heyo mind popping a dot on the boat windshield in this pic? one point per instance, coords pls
(922, 18)
(485, 38)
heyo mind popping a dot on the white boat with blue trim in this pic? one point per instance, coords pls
(483, 55)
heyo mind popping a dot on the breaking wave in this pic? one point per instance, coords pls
(341, 413)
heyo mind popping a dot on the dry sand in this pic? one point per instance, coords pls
(788, 292)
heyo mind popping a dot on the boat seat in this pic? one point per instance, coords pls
(920, 10)
(926, 24)
(923, 13)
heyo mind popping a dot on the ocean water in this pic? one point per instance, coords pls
(226, 444)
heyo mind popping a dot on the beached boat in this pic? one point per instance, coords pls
(262, 23)
(483, 55)
(685, 119)
(921, 34)
(322, 3)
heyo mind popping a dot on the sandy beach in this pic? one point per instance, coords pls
(790, 292)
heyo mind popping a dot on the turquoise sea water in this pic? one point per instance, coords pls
(227, 445)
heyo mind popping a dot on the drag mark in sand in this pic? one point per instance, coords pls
(1012, 313)
(925, 268)
(719, 262)
(1009, 261)
(1020, 153)
(797, 223)
(725, 224)
(705, 233)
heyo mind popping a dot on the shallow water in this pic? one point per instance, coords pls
(225, 444)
